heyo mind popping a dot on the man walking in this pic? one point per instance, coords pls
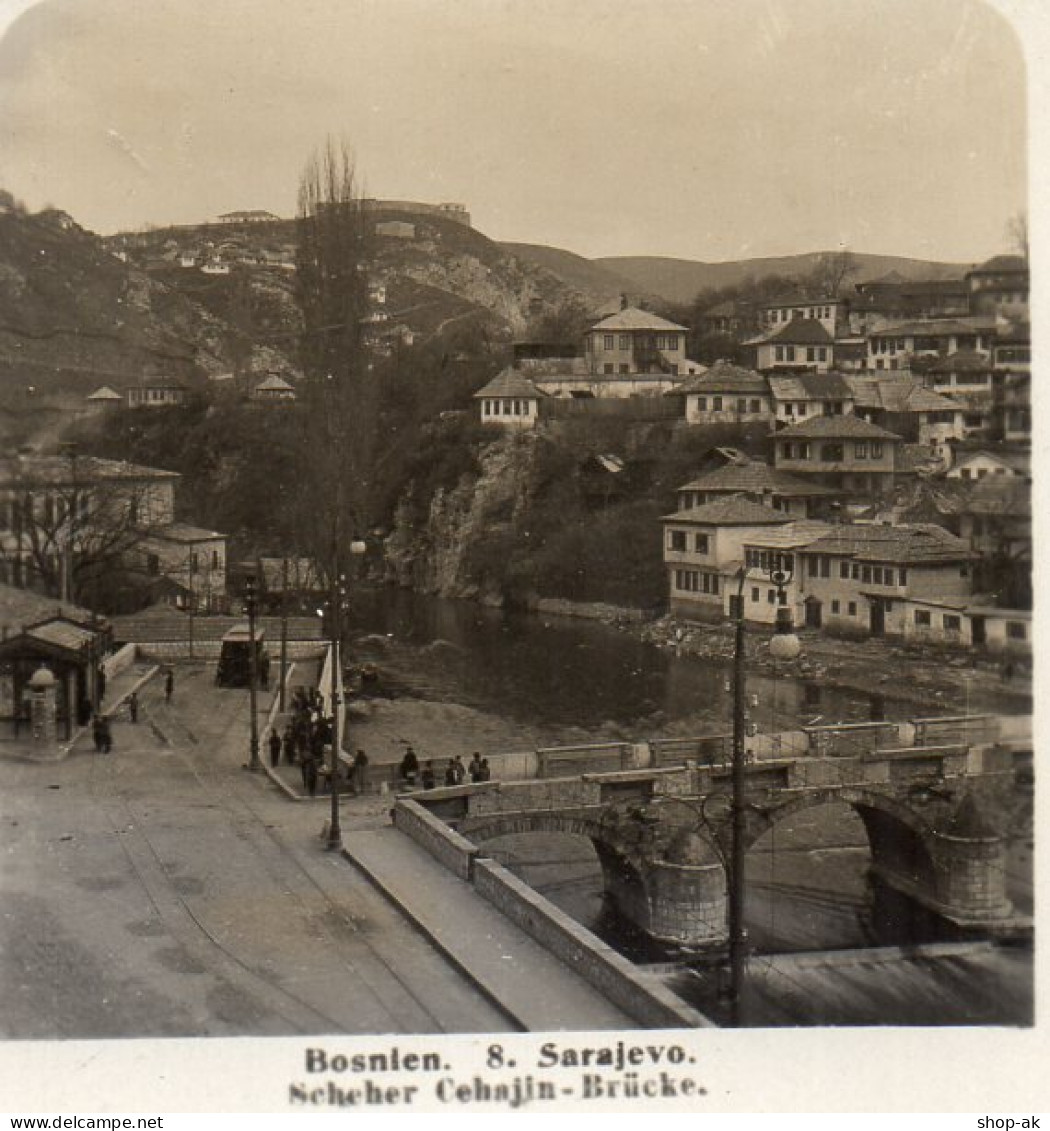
(133, 706)
(275, 748)
(169, 685)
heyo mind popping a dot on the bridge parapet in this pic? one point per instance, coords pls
(843, 740)
(966, 729)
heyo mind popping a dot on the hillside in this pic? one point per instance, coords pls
(679, 280)
(600, 284)
(73, 317)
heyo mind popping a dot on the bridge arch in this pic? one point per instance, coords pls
(624, 875)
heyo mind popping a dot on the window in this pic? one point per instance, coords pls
(865, 575)
(876, 449)
(610, 341)
(716, 404)
(508, 408)
(844, 570)
(194, 561)
(831, 453)
(1016, 630)
(779, 352)
(811, 353)
(701, 543)
(860, 449)
(903, 578)
(789, 352)
(756, 404)
(701, 404)
(216, 560)
(853, 608)
(152, 564)
(676, 539)
(608, 367)
(771, 596)
(754, 593)
(787, 451)
(741, 405)
(624, 367)
(836, 607)
(803, 451)
(952, 623)
(922, 618)
(625, 341)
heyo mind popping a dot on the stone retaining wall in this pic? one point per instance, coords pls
(645, 999)
(120, 661)
(208, 650)
(455, 852)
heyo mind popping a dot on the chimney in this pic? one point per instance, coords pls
(623, 302)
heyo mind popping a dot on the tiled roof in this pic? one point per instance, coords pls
(104, 393)
(273, 382)
(734, 510)
(799, 299)
(510, 383)
(20, 607)
(634, 319)
(848, 426)
(725, 378)
(1016, 461)
(62, 634)
(754, 477)
(792, 536)
(60, 471)
(802, 331)
(898, 394)
(914, 544)
(934, 327)
(182, 532)
(810, 386)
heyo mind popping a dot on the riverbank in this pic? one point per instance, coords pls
(924, 674)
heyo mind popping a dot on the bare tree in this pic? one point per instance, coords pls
(69, 522)
(1017, 233)
(833, 271)
(341, 396)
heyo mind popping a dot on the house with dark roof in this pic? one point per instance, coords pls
(843, 452)
(802, 343)
(828, 310)
(510, 400)
(704, 548)
(792, 496)
(274, 390)
(873, 580)
(897, 346)
(156, 392)
(725, 394)
(966, 377)
(877, 302)
(903, 404)
(798, 396)
(1000, 285)
(635, 341)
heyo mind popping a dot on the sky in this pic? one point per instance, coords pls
(700, 129)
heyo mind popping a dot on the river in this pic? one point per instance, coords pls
(455, 677)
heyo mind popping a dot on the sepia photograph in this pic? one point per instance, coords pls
(515, 550)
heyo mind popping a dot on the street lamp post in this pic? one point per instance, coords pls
(783, 646)
(336, 609)
(251, 595)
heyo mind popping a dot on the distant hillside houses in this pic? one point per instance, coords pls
(448, 210)
(251, 216)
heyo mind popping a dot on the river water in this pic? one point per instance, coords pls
(468, 677)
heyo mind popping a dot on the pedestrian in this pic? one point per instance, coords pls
(106, 734)
(97, 732)
(311, 775)
(450, 773)
(428, 779)
(100, 679)
(275, 748)
(133, 706)
(304, 770)
(264, 670)
(408, 771)
(460, 770)
(485, 770)
(169, 685)
(288, 742)
(475, 767)
(358, 771)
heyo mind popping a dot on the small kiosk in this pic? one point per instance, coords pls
(235, 658)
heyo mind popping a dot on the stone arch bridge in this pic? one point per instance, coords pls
(937, 820)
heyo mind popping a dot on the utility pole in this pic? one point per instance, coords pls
(250, 600)
(737, 936)
(284, 629)
(335, 612)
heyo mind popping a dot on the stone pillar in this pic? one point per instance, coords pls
(970, 862)
(42, 706)
(688, 903)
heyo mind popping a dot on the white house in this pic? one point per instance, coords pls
(509, 400)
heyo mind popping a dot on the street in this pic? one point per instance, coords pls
(163, 891)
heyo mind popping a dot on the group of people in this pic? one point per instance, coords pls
(307, 739)
(411, 774)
